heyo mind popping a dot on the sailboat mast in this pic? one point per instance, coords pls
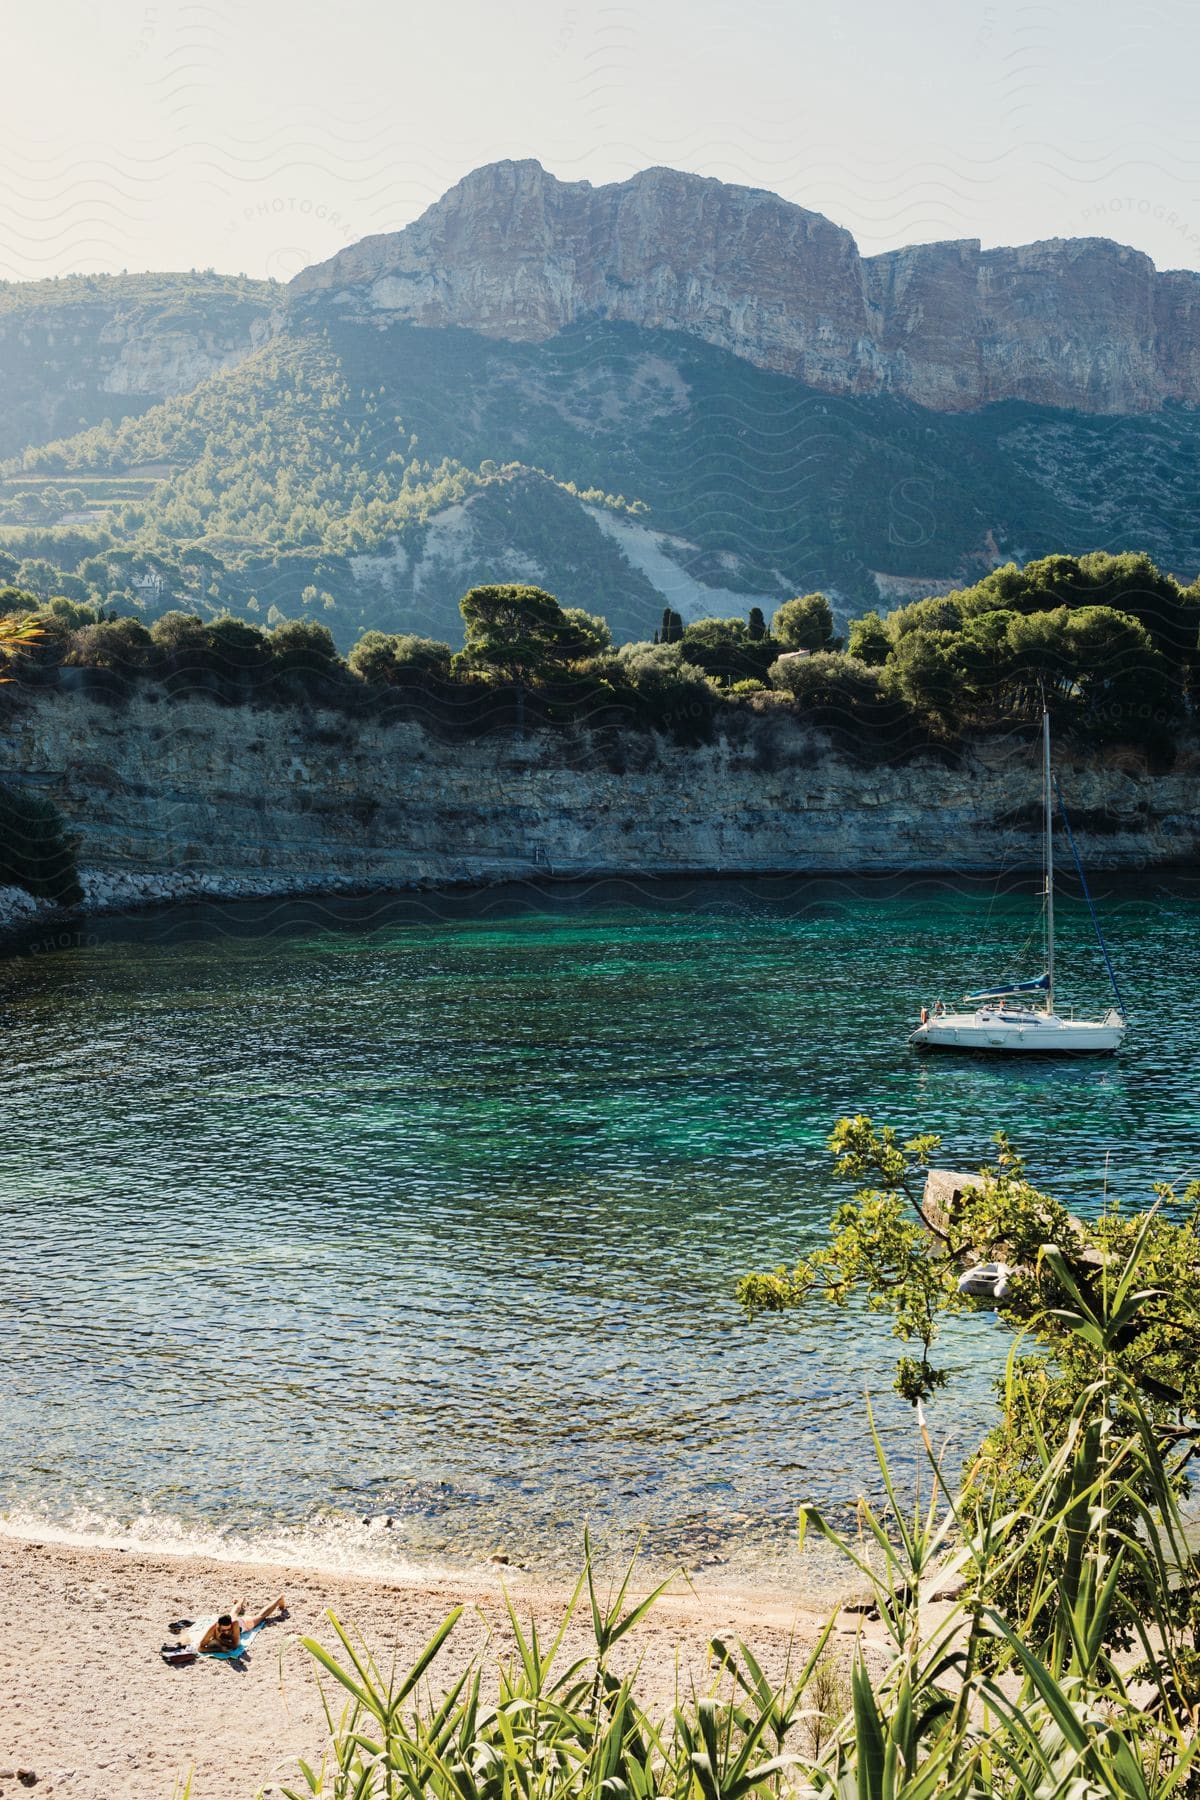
(1048, 858)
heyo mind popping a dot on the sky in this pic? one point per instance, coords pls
(264, 135)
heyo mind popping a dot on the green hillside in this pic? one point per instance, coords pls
(374, 474)
(84, 348)
(820, 490)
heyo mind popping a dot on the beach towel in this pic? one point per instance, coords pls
(181, 1655)
(232, 1655)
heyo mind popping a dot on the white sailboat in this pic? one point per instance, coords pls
(1006, 1018)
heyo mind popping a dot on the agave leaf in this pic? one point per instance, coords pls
(335, 1669)
(1080, 1327)
(761, 1776)
(1044, 1684)
(1134, 1259)
(868, 1731)
(1050, 1253)
(527, 1648)
(1181, 1772)
(907, 1539)
(428, 1653)
(1095, 1626)
(833, 1536)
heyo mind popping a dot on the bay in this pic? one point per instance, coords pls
(432, 1208)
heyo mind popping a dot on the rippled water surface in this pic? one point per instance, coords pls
(433, 1209)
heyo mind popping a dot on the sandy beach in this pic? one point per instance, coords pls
(91, 1710)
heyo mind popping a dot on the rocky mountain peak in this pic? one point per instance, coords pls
(516, 254)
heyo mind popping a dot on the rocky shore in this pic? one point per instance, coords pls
(117, 891)
(184, 800)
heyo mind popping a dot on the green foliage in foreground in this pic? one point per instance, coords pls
(1003, 1659)
(1110, 1300)
(906, 1261)
(963, 1701)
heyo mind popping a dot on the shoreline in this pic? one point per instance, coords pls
(95, 1714)
(111, 893)
(819, 1583)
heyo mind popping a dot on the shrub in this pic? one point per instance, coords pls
(512, 630)
(1097, 669)
(35, 852)
(870, 640)
(1109, 1316)
(402, 661)
(1110, 639)
(673, 695)
(304, 661)
(724, 649)
(837, 693)
(122, 645)
(373, 656)
(805, 624)
(919, 1713)
(177, 632)
(241, 652)
(303, 644)
(18, 600)
(586, 634)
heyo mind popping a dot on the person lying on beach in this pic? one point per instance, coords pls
(225, 1635)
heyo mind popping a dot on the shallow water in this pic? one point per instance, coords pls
(433, 1208)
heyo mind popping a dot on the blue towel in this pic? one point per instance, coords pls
(232, 1655)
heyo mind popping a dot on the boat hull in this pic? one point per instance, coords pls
(1021, 1034)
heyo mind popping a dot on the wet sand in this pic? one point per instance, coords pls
(89, 1708)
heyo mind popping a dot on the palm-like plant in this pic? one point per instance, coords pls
(17, 633)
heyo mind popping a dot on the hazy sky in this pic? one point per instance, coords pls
(262, 136)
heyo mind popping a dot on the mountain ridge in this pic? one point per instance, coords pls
(274, 450)
(512, 252)
(386, 471)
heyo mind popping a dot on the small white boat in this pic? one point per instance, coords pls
(985, 1281)
(1006, 1018)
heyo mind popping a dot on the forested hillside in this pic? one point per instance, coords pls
(373, 475)
(85, 348)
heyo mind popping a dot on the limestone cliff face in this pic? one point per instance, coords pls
(514, 253)
(90, 347)
(173, 362)
(171, 798)
(1070, 322)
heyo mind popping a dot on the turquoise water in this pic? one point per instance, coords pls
(432, 1209)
